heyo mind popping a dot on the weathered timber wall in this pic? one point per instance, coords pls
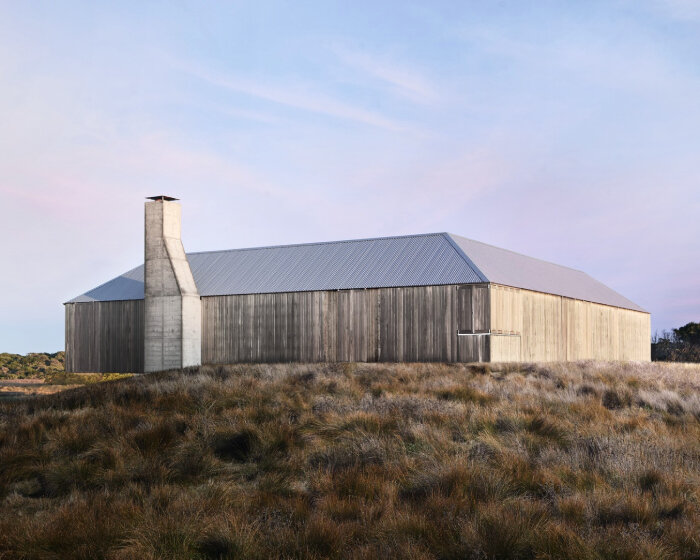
(532, 326)
(384, 324)
(105, 336)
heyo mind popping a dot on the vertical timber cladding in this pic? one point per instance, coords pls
(382, 324)
(473, 323)
(105, 337)
(533, 326)
(506, 324)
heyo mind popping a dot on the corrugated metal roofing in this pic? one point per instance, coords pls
(414, 260)
(502, 266)
(127, 286)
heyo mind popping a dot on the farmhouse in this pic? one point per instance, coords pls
(426, 297)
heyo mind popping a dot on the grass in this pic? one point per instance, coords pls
(65, 378)
(20, 388)
(417, 461)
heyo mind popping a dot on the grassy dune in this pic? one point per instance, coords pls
(421, 461)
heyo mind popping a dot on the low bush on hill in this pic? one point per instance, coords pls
(678, 345)
(17, 366)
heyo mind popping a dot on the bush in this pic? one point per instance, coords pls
(16, 366)
(680, 345)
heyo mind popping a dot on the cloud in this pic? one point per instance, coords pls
(303, 97)
(403, 81)
(574, 139)
(416, 188)
(247, 115)
(631, 63)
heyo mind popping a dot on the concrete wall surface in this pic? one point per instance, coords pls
(172, 305)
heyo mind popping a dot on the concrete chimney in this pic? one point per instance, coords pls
(173, 336)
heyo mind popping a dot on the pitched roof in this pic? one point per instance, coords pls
(411, 260)
(502, 266)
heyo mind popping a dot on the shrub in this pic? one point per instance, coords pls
(613, 399)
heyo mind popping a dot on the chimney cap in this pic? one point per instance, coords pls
(162, 197)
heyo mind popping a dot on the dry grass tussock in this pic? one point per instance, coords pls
(419, 461)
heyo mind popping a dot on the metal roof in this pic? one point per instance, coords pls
(412, 260)
(502, 266)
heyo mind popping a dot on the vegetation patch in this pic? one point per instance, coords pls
(419, 461)
(34, 365)
(64, 378)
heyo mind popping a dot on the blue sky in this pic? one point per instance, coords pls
(568, 131)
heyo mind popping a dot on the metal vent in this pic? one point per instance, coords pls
(162, 197)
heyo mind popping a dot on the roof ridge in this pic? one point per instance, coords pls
(461, 253)
(315, 243)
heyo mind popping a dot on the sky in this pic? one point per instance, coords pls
(568, 131)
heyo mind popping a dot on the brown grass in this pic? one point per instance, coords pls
(50, 383)
(419, 461)
(28, 387)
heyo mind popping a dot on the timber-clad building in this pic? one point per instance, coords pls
(428, 297)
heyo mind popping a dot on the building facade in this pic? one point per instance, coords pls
(429, 297)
